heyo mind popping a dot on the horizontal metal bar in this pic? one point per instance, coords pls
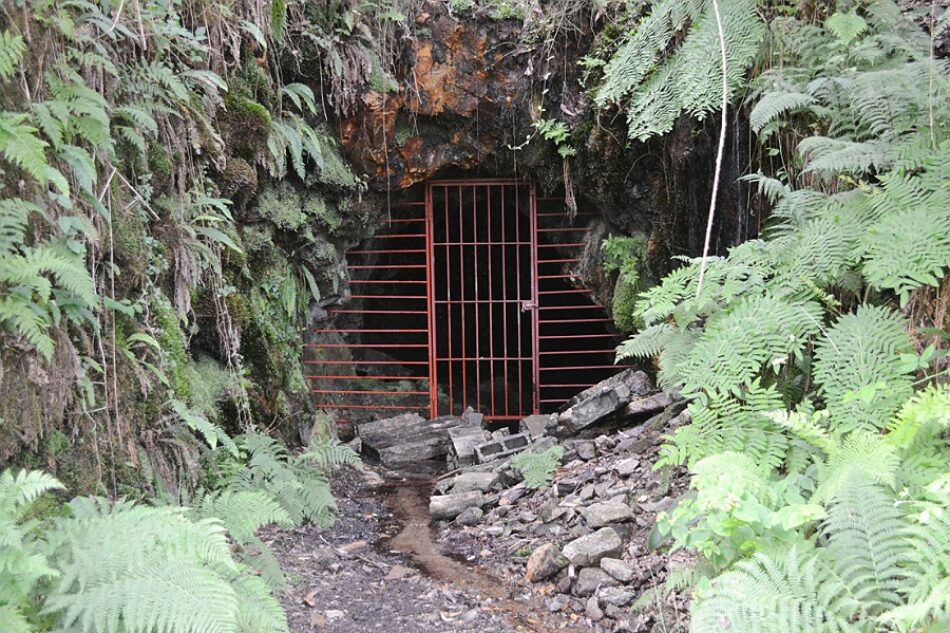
(365, 362)
(376, 331)
(503, 417)
(558, 261)
(387, 281)
(324, 405)
(399, 297)
(567, 385)
(493, 301)
(479, 182)
(601, 320)
(386, 267)
(547, 400)
(551, 337)
(354, 377)
(574, 307)
(572, 291)
(481, 243)
(336, 311)
(374, 392)
(482, 358)
(574, 352)
(558, 277)
(563, 245)
(370, 345)
(585, 367)
(386, 251)
(565, 229)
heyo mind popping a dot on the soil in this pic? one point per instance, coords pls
(379, 568)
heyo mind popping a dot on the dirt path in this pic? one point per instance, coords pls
(378, 568)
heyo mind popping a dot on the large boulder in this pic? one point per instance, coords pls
(602, 402)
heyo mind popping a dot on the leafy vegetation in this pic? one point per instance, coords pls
(818, 396)
(537, 467)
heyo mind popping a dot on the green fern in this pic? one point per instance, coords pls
(538, 468)
(861, 352)
(12, 48)
(796, 593)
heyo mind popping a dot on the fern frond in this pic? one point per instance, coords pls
(12, 48)
(861, 351)
(794, 594)
(774, 104)
(868, 540)
(21, 147)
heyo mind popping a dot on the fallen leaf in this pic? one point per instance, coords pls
(309, 599)
(317, 619)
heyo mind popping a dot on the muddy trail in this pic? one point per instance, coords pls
(379, 568)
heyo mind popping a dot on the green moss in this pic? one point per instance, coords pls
(462, 6)
(627, 256)
(210, 381)
(282, 205)
(159, 162)
(172, 341)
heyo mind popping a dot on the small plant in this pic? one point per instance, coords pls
(538, 468)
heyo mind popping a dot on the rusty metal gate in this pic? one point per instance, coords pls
(467, 297)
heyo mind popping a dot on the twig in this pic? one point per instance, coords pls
(722, 143)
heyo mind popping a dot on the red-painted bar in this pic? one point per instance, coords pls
(341, 311)
(387, 251)
(355, 377)
(372, 407)
(372, 345)
(374, 392)
(364, 362)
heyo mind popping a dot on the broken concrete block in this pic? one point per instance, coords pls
(502, 447)
(407, 439)
(535, 425)
(649, 404)
(464, 438)
(445, 507)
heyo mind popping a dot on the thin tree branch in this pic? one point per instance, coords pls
(722, 143)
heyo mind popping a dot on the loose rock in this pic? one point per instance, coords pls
(544, 562)
(590, 578)
(588, 550)
(601, 514)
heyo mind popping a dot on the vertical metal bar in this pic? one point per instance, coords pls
(463, 323)
(535, 313)
(519, 307)
(491, 304)
(448, 287)
(504, 292)
(430, 305)
(478, 306)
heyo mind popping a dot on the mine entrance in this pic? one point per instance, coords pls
(470, 293)
(483, 297)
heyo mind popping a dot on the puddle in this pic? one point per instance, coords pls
(409, 502)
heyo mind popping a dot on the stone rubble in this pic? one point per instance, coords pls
(581, 543)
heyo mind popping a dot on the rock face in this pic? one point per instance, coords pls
(544, 562)
(589, 549)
